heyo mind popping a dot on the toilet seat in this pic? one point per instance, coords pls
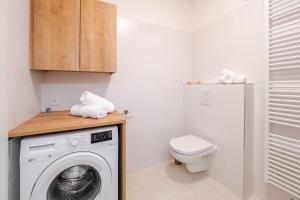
(190, 145)
(192, 158)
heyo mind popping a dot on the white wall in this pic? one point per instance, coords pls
(24, 85)
(230, 34)
(206, 11)
(234, 41)
(168, 13)
(4, 100)
(154, 60)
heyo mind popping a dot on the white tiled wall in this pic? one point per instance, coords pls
(167, 13)
(206, 11)
(153, 64)
(24, 86)
(234, 41)
(3, 100)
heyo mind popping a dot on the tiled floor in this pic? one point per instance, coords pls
(170, 182)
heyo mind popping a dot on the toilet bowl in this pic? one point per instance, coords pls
(193, 151)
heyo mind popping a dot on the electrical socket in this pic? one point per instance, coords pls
(53, 102)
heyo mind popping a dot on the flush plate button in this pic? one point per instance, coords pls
(204, 97)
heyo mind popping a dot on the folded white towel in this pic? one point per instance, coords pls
(235, 77)
(88, 98)
(92, 111)
(76, 110)
(230, 77)
(223, 79)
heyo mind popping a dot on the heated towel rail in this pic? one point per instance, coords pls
(283, 96)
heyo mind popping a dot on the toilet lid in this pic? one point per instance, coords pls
(190, 145)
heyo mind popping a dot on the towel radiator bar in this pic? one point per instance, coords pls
(283, 96)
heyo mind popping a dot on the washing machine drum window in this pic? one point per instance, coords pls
(77, 176)
(79, 182)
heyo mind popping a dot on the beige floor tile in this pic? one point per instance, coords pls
(168, 181)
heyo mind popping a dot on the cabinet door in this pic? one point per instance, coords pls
(98, 36)
(56, 27)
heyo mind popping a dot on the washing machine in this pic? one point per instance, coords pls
(77, 165)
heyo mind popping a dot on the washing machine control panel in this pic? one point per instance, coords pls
(88, 139)
(76, 141)
(101, 137)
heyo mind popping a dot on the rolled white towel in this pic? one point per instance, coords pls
(235, 77)
(219, 79)
(92, 111)
(88, 98)
(223, 79)
(76, 110)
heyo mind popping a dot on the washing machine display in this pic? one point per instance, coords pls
(101, 137)
(75, 183)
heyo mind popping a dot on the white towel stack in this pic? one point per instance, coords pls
(230, 77)
(92, 106)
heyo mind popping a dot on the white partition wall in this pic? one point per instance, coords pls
(217, 114)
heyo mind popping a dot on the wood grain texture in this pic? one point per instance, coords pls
(56, 28)
(98, 36)
(45, 123)
(122, 189)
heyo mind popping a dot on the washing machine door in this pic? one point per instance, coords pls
(77, 176)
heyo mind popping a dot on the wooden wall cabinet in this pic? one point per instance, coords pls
(98, 36)
(73, 35)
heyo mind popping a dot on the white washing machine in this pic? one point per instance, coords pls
(78, 165)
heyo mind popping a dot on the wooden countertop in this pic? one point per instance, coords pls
(44, 123)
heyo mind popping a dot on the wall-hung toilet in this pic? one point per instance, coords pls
(193, 151)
